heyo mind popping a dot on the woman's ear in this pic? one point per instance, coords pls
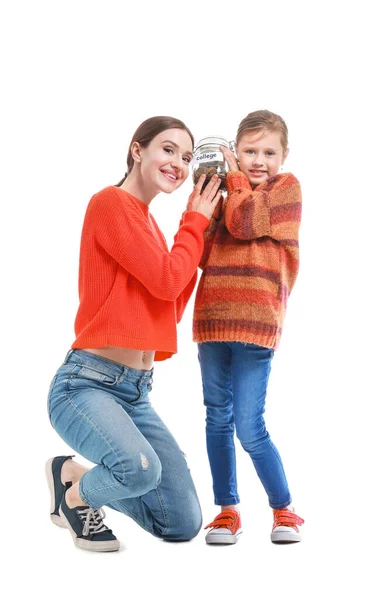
(136, 152)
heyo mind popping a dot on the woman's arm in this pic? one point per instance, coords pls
(122, 231)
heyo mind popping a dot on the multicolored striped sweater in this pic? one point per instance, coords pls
(250, 262)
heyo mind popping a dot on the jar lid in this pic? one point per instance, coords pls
(215, 140)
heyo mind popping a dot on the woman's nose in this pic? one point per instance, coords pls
(177, 161)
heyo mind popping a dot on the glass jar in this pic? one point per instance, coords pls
(208, 160)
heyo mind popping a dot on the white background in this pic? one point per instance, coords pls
(77, 79)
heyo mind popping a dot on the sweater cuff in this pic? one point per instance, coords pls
(236, 180)
(197, 219)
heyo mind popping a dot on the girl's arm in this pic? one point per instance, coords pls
(273, 209)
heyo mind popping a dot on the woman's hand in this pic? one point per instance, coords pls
(230, 158)
(205, 201)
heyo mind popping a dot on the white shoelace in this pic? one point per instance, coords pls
(93, 520)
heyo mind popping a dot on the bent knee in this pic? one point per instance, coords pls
(186, 527)
(141, 474)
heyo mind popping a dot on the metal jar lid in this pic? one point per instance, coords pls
(212, 141)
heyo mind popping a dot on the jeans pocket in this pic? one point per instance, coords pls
(84, 372)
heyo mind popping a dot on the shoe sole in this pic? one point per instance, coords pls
(223, 538)
(56, 519)
(107, 546)
(283, 537)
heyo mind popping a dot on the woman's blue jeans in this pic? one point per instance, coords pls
(235, 377)
(102, 410)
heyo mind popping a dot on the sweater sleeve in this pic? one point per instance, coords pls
(210, 233)
(273, 209)
(185, 295)
(125, 234)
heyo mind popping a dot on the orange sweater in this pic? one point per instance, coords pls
(132, 290)
(250, 262)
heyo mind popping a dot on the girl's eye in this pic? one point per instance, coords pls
(168, 150)
(270, 153)
(250, 151)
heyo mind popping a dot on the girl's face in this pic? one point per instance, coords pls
(164, 163)
(260, 155)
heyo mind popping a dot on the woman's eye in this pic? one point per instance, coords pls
(187, 159)
(168, 150)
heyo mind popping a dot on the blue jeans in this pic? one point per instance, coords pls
(102, 410)
(235, 377)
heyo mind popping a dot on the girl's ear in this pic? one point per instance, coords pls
(136, 152)
(285, 154)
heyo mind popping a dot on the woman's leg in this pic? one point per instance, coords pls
(215, 363)
(171, 510)
(94, 405)
(250, 374)
(94, 424)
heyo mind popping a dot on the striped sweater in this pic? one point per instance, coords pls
(250, 262)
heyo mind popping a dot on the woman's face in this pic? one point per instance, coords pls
(164, 163)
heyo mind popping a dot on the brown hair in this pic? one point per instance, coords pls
(261, 120)
(147, 131)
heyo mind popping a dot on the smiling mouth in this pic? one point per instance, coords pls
(169, 175)
(257, 172)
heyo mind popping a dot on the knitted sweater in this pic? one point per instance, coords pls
(250, 262)
(132, 290)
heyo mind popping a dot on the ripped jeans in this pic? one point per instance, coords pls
(101, 409)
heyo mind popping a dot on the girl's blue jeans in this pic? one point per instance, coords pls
(235, 377)
(102, 410)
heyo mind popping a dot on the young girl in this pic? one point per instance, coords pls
(250, 263)
(132, 292)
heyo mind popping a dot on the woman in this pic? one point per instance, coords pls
(132, 292)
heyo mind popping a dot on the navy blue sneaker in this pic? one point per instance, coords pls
(57, 489)
(87, 528)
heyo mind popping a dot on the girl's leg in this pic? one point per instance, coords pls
(250, 374)
(215, 362)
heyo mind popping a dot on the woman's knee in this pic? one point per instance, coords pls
(140, 474)
(186, 526)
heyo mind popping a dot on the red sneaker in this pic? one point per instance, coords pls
(285, 526)
(225, 529)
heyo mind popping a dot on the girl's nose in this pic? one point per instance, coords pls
(258, 160)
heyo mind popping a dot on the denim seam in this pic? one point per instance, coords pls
(275, 452)
(97, 430)
(163, 511)
(227, 501)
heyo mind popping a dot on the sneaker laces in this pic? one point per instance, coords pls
(93, 520)
(225, 518)
(286, 518)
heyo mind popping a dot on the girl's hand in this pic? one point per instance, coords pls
(205, 201)
(230, 158)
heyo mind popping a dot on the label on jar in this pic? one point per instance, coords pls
(207, 157)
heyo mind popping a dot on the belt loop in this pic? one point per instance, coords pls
(67, 356)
